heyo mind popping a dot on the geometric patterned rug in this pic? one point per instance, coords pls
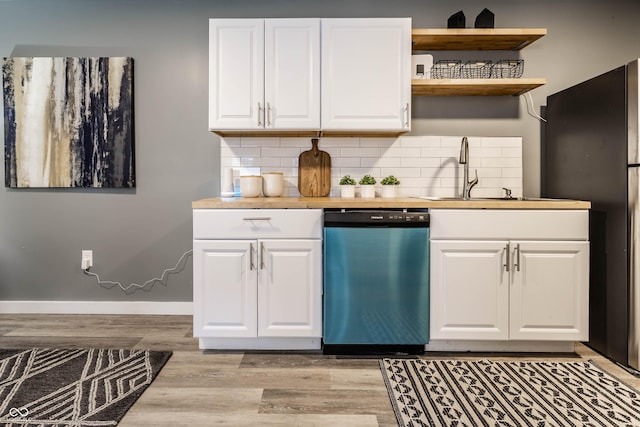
(497, 393)
(73, 387)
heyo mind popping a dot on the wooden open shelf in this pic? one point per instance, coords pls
(475, 38)
(474, 87)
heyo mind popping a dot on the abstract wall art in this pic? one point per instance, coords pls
(68, 122)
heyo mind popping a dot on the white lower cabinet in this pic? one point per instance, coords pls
(488, 286)
(262, 292)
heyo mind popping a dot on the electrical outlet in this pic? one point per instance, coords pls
(87, 259)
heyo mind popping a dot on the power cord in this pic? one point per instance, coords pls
(136, 286)
(532, 111)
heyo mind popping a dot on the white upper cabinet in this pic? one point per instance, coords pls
(236, 73)
(292, 73)
(264, 74)
(366, 74)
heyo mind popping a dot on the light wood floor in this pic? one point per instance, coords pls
(204, 388)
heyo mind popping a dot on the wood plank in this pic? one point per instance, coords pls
(475, 87)
(301, 401)
(475, 38)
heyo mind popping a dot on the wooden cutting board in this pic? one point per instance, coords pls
(314, 172)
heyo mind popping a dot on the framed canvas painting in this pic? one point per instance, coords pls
(68, 122)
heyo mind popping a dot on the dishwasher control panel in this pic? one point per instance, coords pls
(372, 218)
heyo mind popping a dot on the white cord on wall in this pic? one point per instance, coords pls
(532, 111)
(136, 286)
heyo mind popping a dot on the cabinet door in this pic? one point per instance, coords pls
(236, 74)
(469, 290)
(290, 288)
(224, 288)
(550, 291)
(292, 74)
(366, 74)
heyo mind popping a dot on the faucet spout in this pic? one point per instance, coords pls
(464, 151)
(464, 160)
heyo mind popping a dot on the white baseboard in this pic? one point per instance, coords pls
(264, 343)
(96, 307)
(502, 346)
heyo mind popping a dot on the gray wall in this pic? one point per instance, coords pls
(136, 234)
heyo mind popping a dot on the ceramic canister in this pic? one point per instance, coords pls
(251, 185)
(272, 184)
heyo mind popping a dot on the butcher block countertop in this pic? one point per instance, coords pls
(374, 203)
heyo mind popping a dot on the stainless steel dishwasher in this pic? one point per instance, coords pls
(376, 281)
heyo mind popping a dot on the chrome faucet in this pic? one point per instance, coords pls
(464, 160)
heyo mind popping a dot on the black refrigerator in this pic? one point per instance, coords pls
(590, 152)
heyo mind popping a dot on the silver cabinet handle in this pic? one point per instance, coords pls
(406, 115)
(259, 114)
(507, 250)
(516, 261)
(251, 264)
(268, 114)
(257, 218)
(261, 255)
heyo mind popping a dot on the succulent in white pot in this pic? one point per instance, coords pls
(367, 186)
(389, 186)
(347, 186)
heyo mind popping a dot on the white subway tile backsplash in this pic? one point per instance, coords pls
(504, 141)
(401, 172)
(360, 152)
(512, 172)
(280, 152)
(401, 152)
(262, 161)
(259, 142)
(304, 143)
(492, 172)
(502, 162)
(510, 152)
(380, 162)
(425, 165)
(336, 142)
(482, 152)
(419, 141)
(439, 172)
(377, 142)
(345, 162)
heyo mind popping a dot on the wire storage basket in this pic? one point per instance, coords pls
(507, 69)
(476, 70)
(446, 69)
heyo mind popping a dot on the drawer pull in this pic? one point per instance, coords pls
(516, 262)
(257, 218)
(251, 265)
(261, 255)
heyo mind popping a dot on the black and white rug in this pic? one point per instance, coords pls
(497, 393)
(73, 387)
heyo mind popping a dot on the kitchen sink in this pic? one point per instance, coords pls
(514, 199)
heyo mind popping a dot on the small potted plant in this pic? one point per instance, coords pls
(347, 186)
(367, 186)
(389, 186)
